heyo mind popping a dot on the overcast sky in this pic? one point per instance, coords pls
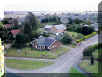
(49, 5)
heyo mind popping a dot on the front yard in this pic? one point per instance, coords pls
(32, 53)
(26, 64)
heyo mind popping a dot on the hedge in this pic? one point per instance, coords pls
(90, 35)
(86, 37)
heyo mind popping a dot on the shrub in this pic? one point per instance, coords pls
(90, 35)
(88, 51)
(66, 39)
(20, 41)
(86, 37)
(86, 30)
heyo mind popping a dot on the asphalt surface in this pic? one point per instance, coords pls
(64, 62)
(32, 59)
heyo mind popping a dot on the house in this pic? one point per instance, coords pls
(7, 25)
(45, 43)
(15, 32)
(55, 29)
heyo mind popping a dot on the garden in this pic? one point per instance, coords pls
(33, 53)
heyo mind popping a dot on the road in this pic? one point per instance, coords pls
(32, 59)
(64, 62)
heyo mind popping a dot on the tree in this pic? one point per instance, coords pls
(86, 30)
(66, 39)
(20, 41)
(77, 21)
(15, 22)
(31, 25)
(27, 31)
(32, 21)
(1, 25)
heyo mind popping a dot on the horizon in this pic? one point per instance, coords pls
(54, 6)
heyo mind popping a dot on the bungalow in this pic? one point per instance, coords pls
(55, 29)
(15, 32)
(45, 43)
(7, 26)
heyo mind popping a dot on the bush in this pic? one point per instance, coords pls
(80, 40)
(86, 37)
(46, 34)
(66, 39)
(86, 30)
(90, 35)
(20, 41)
(88, 51)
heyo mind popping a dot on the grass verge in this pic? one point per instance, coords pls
(26, 64)
(75, 73)
(32, 53)
(85, 64)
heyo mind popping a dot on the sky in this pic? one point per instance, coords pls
(49, 5)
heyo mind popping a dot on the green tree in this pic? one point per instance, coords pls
(20, 41)
(32, 21)
(66, 39)
(31, 25)
(77, 21)
(1, 25)
(27, 31)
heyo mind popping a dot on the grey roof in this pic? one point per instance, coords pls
(60, 27)
(45, 41)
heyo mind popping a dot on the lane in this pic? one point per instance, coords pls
(33, 59)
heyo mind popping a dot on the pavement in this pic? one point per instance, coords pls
(64, 62)
(33, 59)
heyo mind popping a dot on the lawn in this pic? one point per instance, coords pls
(75, 35)
(49, 23)
(29, 52)
(95, 53)
(85, 64)
(26, 64)
(75, 73)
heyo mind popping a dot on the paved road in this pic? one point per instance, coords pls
(64, 62)
(33, 59)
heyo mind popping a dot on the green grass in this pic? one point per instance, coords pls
(29, 52)
(26, 64)
(75, 35)
(95, 53)
(85, 64)
(49, 23)
(75, 73)
(73, 70)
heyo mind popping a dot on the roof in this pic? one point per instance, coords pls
(7, 25)
(15, 32)
(45, 41)
(48, 26)
(60, 27)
